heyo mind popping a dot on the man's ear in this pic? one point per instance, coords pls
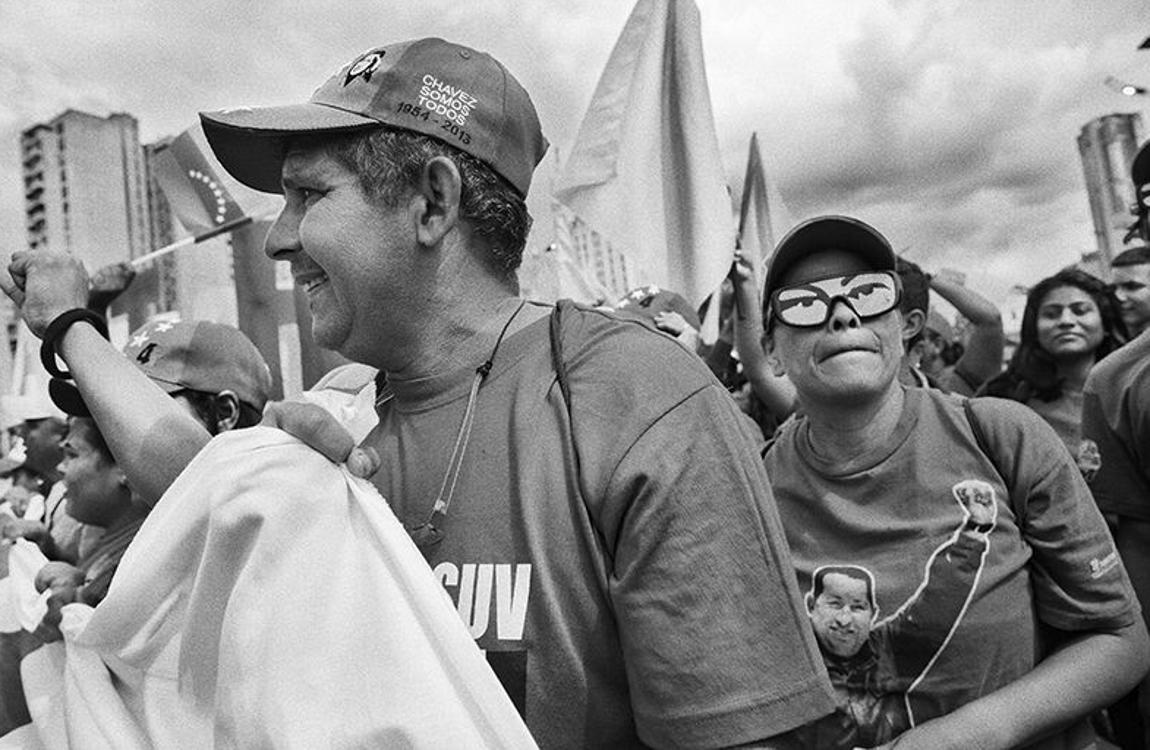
(772, 355)
(912, 324)
(436, 203)
(227, 411)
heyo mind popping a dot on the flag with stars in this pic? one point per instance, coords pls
(193, 187)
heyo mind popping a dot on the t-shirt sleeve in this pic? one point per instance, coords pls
(1079, 581)
(717, 648)
(1119, 427)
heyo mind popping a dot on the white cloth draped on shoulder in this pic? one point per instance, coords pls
(273, 600)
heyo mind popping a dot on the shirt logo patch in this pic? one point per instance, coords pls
(1089, 459)
(1099, 568)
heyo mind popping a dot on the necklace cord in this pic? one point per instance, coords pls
(451, 477)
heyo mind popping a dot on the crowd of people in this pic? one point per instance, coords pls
(909, 544)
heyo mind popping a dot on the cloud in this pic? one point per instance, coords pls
(950, 125)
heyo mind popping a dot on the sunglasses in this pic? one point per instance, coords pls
(809, 304)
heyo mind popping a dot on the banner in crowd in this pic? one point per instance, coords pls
(645, 171)
(756, 233)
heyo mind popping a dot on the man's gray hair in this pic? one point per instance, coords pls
(389, 162)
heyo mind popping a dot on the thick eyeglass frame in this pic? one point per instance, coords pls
(851, 289)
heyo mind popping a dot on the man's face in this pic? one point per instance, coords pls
(1132, 287)
(42, 438)
(352, 258)
(846, 358)
(841, 614)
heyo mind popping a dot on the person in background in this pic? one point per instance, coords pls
(878, 476)
(1131, 279)
(982, 353)
(214, 374)
(24, 498)
(1071, 321)
(98, 495)
(36, 452)
(667, 310)
(1116, 428)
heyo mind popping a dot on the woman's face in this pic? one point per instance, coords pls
(1069, 323)
(95, 491)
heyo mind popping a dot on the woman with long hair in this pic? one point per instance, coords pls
(1071, 321)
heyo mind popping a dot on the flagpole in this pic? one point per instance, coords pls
(230, 226)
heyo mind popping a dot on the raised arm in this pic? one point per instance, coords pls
(152, 437)
(982, 358)
(775, 391)
(1088, 673)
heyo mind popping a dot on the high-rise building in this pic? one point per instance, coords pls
(84, 188)
(1108, 146)
(605, 265)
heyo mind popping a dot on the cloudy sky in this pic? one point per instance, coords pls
(949, 125)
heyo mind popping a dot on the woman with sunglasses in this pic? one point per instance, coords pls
(1071, 321)
(934, 543)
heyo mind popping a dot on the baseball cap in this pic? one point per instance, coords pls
(453, 93)
(829, 233)
(175, 355)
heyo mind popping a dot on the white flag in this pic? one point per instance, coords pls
(645, 171)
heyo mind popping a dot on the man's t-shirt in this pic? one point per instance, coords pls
(624, 569)
(1116, 418)
(896, 512)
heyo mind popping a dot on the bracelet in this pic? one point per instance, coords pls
(56, 330)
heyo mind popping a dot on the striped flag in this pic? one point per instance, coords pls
(645, 171)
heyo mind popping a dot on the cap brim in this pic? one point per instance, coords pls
(249, 142)
(826, 233)
(67, 397)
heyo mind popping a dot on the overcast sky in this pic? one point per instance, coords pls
(948, 125)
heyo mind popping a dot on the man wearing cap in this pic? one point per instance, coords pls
(867, 476)
(211, 369)
(584, 490)
(208, 369)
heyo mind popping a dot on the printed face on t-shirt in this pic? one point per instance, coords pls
(842, 614)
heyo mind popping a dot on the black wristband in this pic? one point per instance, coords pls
(56, 330)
